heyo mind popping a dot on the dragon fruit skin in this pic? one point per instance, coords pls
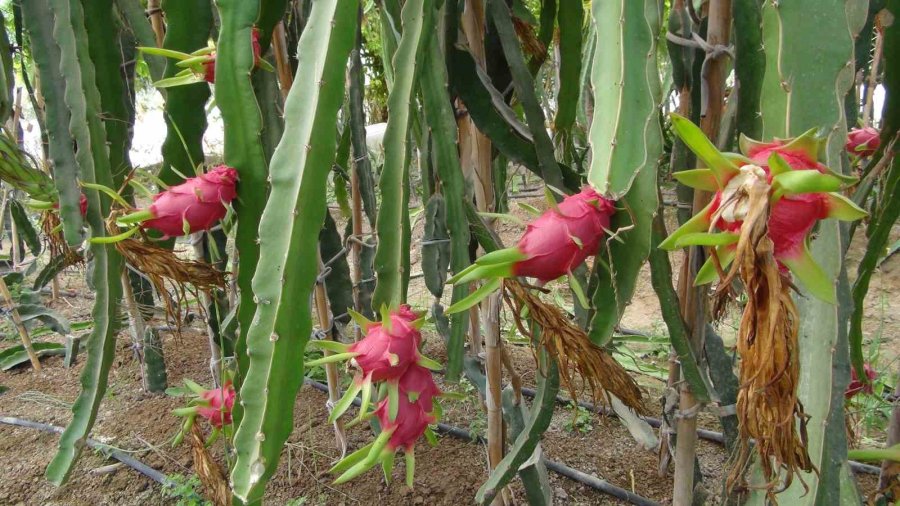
(419, 382)
(562, 238)
(409, 425)
(386, 353)
(199, 201)
(209, 66)
(82, 205)
(863, 142)
(220, 402)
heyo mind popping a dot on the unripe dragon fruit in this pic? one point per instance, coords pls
(856, 386)
(553, 245)
(863, 142)
(802, 192)
(197, 204)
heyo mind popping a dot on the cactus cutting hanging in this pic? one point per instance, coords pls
(766, 203)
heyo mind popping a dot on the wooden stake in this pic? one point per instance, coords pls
(20, 326)
(494, 372)
(323, 311)
(156, 21)
(282, 61)
(693, 299)
(137, 327)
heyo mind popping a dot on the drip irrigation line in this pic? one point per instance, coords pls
(122, 457)
(557, 467)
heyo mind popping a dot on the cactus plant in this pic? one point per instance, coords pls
(299, 169)
(82, 99)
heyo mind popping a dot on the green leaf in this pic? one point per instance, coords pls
(701, 179)
(723, 168)
(475, 297)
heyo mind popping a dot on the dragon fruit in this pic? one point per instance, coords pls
(388, 348)
(200, 65)
(553, 245)
(863, 142)
(388, 354)
(197, 204)
(802, 192)
(857, 386)
(213, 405)
(219, 401)
(82, 205)
(209, 65)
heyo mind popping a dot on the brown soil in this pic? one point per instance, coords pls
(447, 474)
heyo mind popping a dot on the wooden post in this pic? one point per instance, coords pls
(20, 326)
(693, 299)
(323, 311)
(282, 61)
(154, 12)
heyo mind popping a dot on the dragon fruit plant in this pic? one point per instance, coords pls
(388, 355)
(553, 245)
(213, 405)
(196, 204)
(857, 385)
(802, 192)
(863, 142)
(200, 66)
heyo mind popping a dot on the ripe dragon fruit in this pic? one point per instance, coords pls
(209, 65)
(82, 205)
(219, 401)
(200, 65)
(197, 204)
(403, 420)
(389, 354)
(553, 245)
(802, 192)
(213, 405)
(857, 386)
(863, 142)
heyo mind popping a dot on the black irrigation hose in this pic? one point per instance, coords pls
(715, 437)
(559, 468)
(135, 464)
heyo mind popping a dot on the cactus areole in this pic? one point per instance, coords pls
(197, 204)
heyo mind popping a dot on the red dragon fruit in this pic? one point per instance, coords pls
(219, 403)
(863, 142)
(802, 192)
(388, 349)
(209, 65)
(82, 205)
(197, 204)
(856, 386)
(418, 382)
(553, 245)
(400, 430)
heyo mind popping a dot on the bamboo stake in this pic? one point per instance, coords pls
(20, 326)
(873, 74)
(323, 312)
(494, 372)
(215, 352)
(693, 299)
(156, 21)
